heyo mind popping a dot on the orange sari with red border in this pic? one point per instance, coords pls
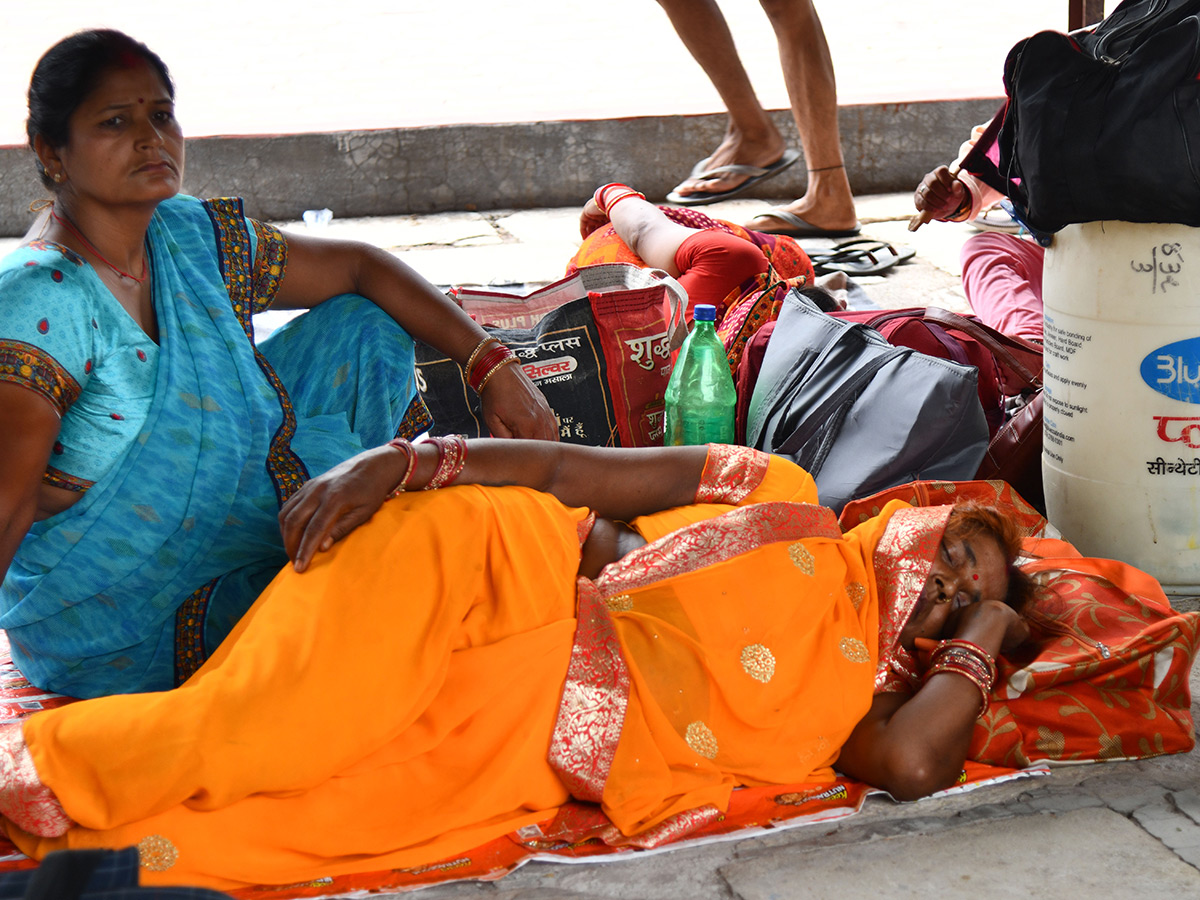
(393, 705)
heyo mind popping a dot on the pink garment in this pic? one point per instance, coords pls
(1002, 278)
(1001, 273)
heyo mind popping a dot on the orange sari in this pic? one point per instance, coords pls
(393, 705)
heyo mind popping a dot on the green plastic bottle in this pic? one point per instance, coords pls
(700, 395)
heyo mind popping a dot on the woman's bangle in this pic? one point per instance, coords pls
(953, 667)
(961, 645)
(962, 657)
(480, 362)
(627, 192)
(507, 361)
(452, 456)
(479, 349)
(410, 466)
(487, 366)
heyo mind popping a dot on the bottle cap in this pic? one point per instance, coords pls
(704, 312)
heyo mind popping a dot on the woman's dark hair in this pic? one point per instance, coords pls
(70, 70)
(971, 518)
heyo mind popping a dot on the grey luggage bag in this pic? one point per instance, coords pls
(858, 413)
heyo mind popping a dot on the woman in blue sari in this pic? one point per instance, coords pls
(149, 442)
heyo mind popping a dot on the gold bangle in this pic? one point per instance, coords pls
(478, 349)
(952, 669)
(493, 370)
(408, 450)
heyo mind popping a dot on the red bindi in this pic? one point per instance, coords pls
(976, 577)
(141, 100)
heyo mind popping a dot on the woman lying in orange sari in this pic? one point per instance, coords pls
(438, 670)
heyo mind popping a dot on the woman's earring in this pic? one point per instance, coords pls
(58, 177)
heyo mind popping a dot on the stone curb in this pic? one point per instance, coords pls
(887, 147)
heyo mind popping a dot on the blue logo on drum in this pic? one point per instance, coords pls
(1174, 370)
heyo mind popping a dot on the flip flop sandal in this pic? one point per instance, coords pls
(860, 257)
(754, 175)
(797, 227)
(995, 218)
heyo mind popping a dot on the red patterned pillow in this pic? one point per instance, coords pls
(1105, 677)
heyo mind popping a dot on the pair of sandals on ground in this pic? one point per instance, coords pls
(859, 256)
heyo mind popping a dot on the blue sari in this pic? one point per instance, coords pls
(132, 587)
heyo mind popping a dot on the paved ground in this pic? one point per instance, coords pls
(1118, 829)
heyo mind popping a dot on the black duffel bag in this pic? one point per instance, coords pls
(1106, 124)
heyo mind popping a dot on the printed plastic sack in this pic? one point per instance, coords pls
(599, 347)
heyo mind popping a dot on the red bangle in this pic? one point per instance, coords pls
(508, 360)
(972, 648)
(606, 207)
(487, 365)
(479, 349)
(950, 668)
(452, 457)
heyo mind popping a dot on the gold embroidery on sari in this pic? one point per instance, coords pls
(854, 650)
(902, 560)
(802, 558)
(270, 264)
(856, 591)
(758, 662)
(714, 541)
(287, 470)
(595, 696)
(156, 853)
(619, 603)
(701, 739)
(731, 474)
(674, 828)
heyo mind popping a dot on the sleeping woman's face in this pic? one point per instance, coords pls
(966, 570)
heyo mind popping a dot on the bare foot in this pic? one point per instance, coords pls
(735, 150)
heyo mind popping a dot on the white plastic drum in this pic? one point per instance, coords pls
(1121, 457)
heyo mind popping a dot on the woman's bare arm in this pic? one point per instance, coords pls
(616, 483)
(914, 746)
(31, 426)
(320, 268)
(644, 229)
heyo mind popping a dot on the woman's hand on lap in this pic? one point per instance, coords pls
(332, 505)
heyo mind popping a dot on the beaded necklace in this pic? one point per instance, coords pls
(66, 223)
